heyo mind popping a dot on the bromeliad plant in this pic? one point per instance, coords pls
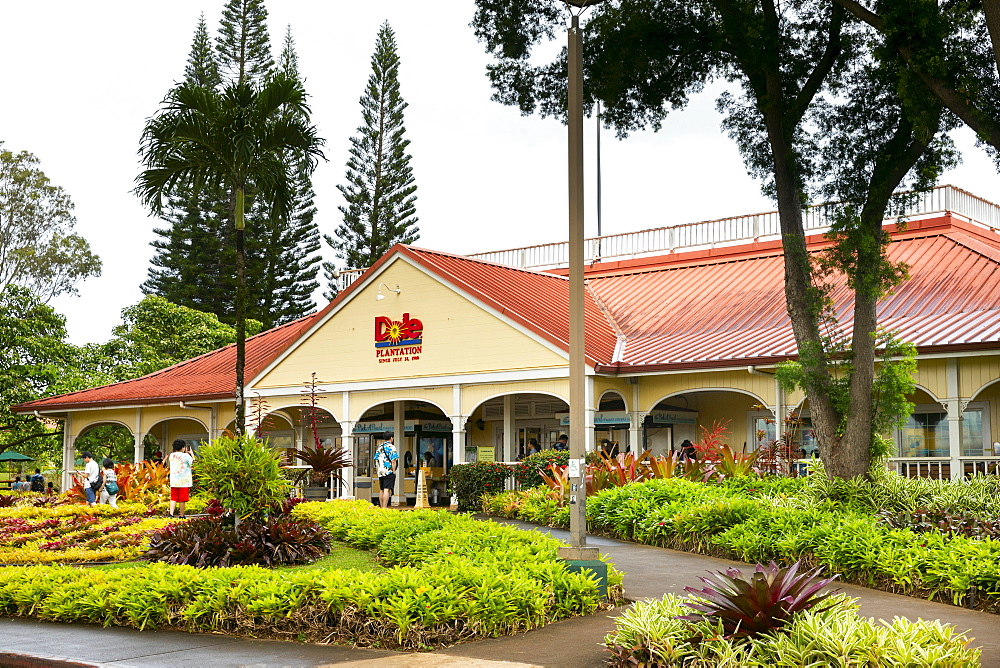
(323, 461)
(761, 604)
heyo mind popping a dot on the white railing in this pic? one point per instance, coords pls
(940, 467)
(345, 277)
(726, 232)
(738, 230)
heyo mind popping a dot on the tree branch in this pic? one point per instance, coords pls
(991, 8)
(986, 127)
(802, 101)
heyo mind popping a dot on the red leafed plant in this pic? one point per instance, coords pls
(761, 604)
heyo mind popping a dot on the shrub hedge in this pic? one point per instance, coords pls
(470, 481)
(728, 521)
(454, 579)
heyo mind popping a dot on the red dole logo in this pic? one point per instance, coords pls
(390, 333)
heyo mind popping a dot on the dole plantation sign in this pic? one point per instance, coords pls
(398, 340)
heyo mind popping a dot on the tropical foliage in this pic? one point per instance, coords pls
(38, 249)
(214, 541)
(655, 633)
(453, 579)
(243, 473)
(763, 603)
(74, 533)
(828, 524)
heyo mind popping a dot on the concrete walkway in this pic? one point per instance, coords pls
(575, 643)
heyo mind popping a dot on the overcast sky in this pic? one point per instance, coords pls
(80, 78)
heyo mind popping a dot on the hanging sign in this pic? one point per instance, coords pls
(600, 418)
(398, 340)
(674, 417)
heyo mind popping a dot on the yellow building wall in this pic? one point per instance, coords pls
(82, 420)
(459, 337)
(439, 396)
(933, 375)
(976, 372)
(152, 415)
(728, 408)
(604, 384)
(992, 395)
(332, 402)
(652, 389)
(474, 395)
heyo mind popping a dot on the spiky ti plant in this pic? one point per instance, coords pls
(761, 604)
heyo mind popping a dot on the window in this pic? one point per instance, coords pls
(927, 432)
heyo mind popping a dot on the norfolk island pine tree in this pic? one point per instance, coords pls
(380, 189)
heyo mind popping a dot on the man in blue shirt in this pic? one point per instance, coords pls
(386, 461)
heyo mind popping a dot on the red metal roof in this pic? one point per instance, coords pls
(206, 377)
(710, 308)
(726, 307)
(537, 301)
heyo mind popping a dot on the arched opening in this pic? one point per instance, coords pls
(612, 423)
(743, 421)
(111, 440)
(292, 428)
(160, 437)
(527, 418)
(426, 441)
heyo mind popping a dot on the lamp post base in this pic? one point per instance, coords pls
(578, 553)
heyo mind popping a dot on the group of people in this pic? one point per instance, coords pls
(32, 483)
(531, 446)
(100, 483)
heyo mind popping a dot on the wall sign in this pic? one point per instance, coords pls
(398, 340)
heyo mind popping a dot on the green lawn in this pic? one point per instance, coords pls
(341, 555)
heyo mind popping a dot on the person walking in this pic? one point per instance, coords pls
(688, 451)
(38, 481)
(180, 476)
(386, 462)
(91, 478)
(109, 490)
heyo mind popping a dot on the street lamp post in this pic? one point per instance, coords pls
(577, 552)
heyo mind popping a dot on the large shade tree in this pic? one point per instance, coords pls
(237, 139)
(38, 248)
(788, 64)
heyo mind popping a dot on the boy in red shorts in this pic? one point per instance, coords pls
(180, 476)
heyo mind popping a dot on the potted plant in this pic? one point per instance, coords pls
(322, 462)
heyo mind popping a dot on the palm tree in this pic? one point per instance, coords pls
(238, 139)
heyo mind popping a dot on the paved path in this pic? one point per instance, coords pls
(575, 643)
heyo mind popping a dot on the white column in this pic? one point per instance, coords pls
(778, 410)
(457, 444)
(138, 454)
(347, 442)
(457, 426)
(636, 418)
(955, 407)
(509, 429)
(68, 458)
(213, 423)
(399, 431)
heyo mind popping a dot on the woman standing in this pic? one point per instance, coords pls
(109, 490)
